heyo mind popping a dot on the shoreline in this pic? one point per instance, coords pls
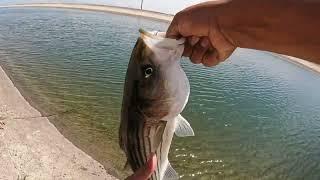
(102, 8)
(299, 62)
(32, 147)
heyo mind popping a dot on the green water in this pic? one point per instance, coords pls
(254, 116)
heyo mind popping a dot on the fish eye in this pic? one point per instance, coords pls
(148, 72)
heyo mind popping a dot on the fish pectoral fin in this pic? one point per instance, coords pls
(183, 127)
(157, 137)
(170, 173)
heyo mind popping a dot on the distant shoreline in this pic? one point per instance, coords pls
(299, 62)
(103, 8)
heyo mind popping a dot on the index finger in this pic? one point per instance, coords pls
(173, 29)
(189, 22)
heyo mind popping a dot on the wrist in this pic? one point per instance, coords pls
(252, 23)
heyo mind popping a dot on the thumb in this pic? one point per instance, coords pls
(146, 171)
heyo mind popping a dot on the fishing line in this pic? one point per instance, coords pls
(140, 14)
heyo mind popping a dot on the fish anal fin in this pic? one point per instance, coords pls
(183, 127)
(170, 173)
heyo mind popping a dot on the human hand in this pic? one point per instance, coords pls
(207, 42)
(146, 171)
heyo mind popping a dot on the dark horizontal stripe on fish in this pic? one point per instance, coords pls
(133, 123)
(136, 141)
(135, 134)
(140, 146)
(138, 133)
(133, 139)
(143, 144)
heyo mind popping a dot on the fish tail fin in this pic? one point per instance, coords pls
(183, 127)
(170, 173)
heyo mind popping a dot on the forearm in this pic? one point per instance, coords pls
(289, 27)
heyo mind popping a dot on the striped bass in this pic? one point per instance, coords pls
(156, 91)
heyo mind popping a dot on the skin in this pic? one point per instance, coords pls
(215, 29)
(145, 172)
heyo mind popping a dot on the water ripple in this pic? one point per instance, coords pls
(254, 116)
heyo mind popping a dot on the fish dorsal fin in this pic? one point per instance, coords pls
(170, 173)
(183, 128)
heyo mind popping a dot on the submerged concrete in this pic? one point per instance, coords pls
(31, 147)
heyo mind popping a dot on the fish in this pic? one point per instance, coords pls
(156, 90)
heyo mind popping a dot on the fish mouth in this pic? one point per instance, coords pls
(160, 36)
(153, 34)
